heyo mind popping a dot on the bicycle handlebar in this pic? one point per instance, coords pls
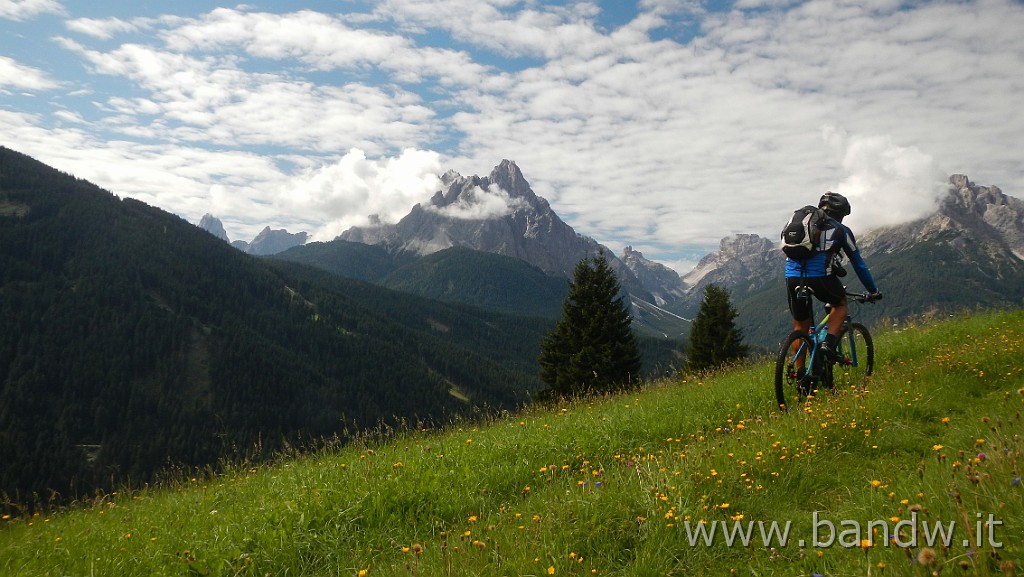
(865, 297)
(805, 292)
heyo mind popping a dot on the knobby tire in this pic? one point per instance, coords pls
(853, 372)
(787, 377)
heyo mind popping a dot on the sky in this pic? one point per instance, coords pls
(665, 125)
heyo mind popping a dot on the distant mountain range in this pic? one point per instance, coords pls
(267, 242)
(976, 238)
(501, 215)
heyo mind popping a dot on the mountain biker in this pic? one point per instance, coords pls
(822, 270)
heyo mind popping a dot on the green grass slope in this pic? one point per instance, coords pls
(655, 483)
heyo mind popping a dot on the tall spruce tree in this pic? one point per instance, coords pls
(714, 337)
(592, 347)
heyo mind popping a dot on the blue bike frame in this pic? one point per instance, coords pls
(817, 336)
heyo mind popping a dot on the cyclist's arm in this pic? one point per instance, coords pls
(849, 246)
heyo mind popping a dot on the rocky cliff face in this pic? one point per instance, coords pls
(269, 241)
(498, 213)
(662, 282)
(745, 262)
(973, 219)
(214, 226)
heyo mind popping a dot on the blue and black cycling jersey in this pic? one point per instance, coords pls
(835, 237)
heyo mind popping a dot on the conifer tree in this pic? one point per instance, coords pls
(714, 337)
(592, 347)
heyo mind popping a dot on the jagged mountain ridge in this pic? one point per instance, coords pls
(527, 229)
(270, 241)
(464, 213)
(967, 254)
(968, 212)
(984, 213)
(267, 242)
(738, 264)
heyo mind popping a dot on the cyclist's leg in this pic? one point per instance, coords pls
(831, 291)
(801, 311)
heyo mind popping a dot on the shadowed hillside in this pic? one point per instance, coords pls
(132, 340)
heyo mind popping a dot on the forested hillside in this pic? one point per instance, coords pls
(480, 279)
(132, 340)
(456, 274)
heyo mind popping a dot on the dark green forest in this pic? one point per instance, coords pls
(480, 279)
(132, 341)
(455, 274)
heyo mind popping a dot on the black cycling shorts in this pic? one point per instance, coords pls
(828, 289)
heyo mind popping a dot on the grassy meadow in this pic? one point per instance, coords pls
(919, 474)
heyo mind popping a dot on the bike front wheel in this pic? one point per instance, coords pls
(791, 369)
(857, 357)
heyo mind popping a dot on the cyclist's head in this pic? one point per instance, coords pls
(835, 205)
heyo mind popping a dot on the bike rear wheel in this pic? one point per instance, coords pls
(791, 368)
(857, 357)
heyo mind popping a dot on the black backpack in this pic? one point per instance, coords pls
(801, 234)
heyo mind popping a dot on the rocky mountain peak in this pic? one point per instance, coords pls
(983, 213)
(214, 226)
(740, 245)
(1003, 213)
(270, 241)
(735, 252)
(508, 176)
(744, 263)
(267, 242)
(662, 282)
(497, 213)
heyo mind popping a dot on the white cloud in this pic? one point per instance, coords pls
(211, 99)
(886, 184)
(105, 28)
(479, 203)
(319, 42)
(688, 143)
(244, 190)
(347, 192)
(21, 10)
(18, 77)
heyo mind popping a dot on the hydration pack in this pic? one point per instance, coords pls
(801, 234)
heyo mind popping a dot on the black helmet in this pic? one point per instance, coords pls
(835, 205)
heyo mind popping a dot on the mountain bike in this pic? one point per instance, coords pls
(802, 369)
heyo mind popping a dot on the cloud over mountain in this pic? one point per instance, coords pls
(479, 203)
